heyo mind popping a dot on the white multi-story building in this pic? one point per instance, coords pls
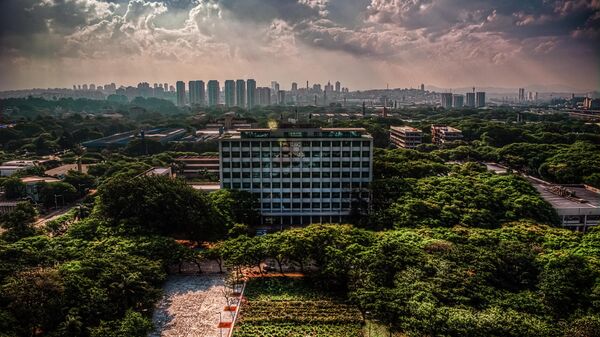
(300, 175)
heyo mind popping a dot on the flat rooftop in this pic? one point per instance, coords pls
(591, 197)
(405, 128)
(299, 132)
(61, 170)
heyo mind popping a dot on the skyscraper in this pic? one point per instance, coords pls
(264, 96)
(521, 94)
(338, 86)
(196, 92)
(214, 91)
(251, 92)
(229, 93)
(193, 92)
(294, 86)
(446, 100)
(480, 99)
(180, 93)
(470, 99)
(458, 101)
(240, 93)
(281, 97)
(422, 87)
(274, 90)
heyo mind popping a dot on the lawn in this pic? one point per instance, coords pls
(278, 307)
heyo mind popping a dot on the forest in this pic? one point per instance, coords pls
(449, 249)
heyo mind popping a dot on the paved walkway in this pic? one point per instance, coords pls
(190, 307)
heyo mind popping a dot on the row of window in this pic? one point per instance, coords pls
(309, 195)
(298, 175)
(326, 184)
(299, 154)
(306, 143)
(296, 164)
(306, 205)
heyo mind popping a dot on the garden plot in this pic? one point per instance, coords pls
(190, 307)
(285, 307)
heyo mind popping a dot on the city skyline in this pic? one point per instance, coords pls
(364, 44)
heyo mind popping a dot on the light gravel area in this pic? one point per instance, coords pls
(190, 307)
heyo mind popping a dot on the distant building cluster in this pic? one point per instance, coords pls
(457, 101)
(245, 94)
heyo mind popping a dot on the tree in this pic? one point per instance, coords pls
(56, 192)
(19, 222)
(14, 188)
(158, 204)
(565, 283)
(81, 181)
(36, 298)
(236, 205)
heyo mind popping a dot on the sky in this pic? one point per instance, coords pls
(362, 43)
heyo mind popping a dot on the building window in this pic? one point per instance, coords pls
(326, 164)
(226, 164)
(226, 175)
(366, 153)
(235, 154)
(226, 144)
(226, 154)
(245, 164)
(317, 185)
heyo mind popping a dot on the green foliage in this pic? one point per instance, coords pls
(19, 223)
(158, 204)
(236, 206)
(54, 193)
(516, 280)
(468, 196)
(14, 188)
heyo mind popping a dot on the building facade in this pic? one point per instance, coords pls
(470, 100)
(458, 101)
(251, 93)
(441, 134)
(405, 137)
(480, 99)
(446, 100)
(180, 93)
(240, 93)
(300, 175)
(264, 96)
(229, 93)
(214, 91)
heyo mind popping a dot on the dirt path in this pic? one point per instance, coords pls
(190, 307)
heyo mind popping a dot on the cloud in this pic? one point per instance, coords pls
(284, 36)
